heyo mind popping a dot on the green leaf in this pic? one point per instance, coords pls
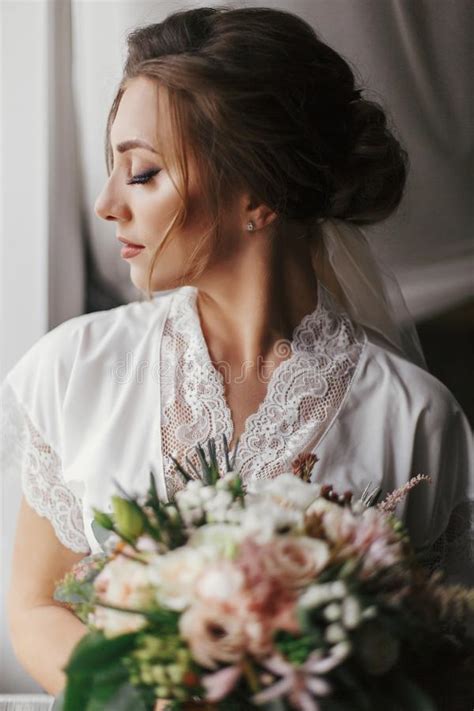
(232, 464)
(95, 669)
(182, 471)
(103, 518)
(109, 688)
(114, 691)
(226, 453)
(204, 465)
(77, 692)
(194, 469)
(153, 492)
(104, 685)
(94, 650)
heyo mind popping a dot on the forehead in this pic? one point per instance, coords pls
(138, 114)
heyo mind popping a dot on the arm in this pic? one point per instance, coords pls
(43, 631)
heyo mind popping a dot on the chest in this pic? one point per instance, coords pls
(274, 415)
(244, 394)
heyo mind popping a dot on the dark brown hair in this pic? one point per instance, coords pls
(262, 103)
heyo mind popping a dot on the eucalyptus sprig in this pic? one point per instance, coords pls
(210, 471)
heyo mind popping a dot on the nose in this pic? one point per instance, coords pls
(109, 206)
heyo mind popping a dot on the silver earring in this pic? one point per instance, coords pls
(250, 226)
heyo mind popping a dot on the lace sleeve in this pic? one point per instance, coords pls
(453, 550)
(23, 451)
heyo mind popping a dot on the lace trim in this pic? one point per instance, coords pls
(23, 451)
(303, 395)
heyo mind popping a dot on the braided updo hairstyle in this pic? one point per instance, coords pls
(263, 104)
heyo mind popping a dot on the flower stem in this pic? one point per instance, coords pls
(250, 675)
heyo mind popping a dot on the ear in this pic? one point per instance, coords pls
(258, 212)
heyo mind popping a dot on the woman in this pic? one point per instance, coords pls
(239, 155)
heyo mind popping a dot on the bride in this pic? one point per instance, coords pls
(242, 162)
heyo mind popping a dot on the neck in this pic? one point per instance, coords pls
(250, 301)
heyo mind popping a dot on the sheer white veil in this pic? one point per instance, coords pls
(364, 285)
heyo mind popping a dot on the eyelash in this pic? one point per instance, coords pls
(144, 178)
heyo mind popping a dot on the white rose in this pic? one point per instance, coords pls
(174, 575)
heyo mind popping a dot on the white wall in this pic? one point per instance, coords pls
(24, 234)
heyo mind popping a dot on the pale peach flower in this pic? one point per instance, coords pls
(219, 582)
(214, 633)
(295, 561)
(122, 583)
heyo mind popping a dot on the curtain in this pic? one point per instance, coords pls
(42, 276)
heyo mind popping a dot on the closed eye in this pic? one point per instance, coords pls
(144, 178)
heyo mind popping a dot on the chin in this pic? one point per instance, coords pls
(161, 283)
(138, 279)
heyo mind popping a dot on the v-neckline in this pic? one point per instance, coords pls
(275, 376)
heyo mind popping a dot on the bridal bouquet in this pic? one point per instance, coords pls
(281, 594)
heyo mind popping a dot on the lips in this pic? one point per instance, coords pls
(127, 242)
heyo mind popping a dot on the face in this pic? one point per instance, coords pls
(139, 195)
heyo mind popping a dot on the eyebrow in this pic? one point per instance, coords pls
(135, 143)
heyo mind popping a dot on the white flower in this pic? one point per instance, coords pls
(335, 633)
(322, 593)
(226, 480)
(332, 612)
(175, 573)
(341, 650)
(369, 613)
(220, 583)
(221, 538)
(265, 519)
(235, 513)
(145, 544)
(286, 489)
(195, 502)
(192, 516)
(194, 485)
(338, 588)
(206, 493)
(351, 612)
(187, 500)
(114, 623)
(123, 583)
(217, 506)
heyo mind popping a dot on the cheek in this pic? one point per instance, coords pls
(154, 209)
